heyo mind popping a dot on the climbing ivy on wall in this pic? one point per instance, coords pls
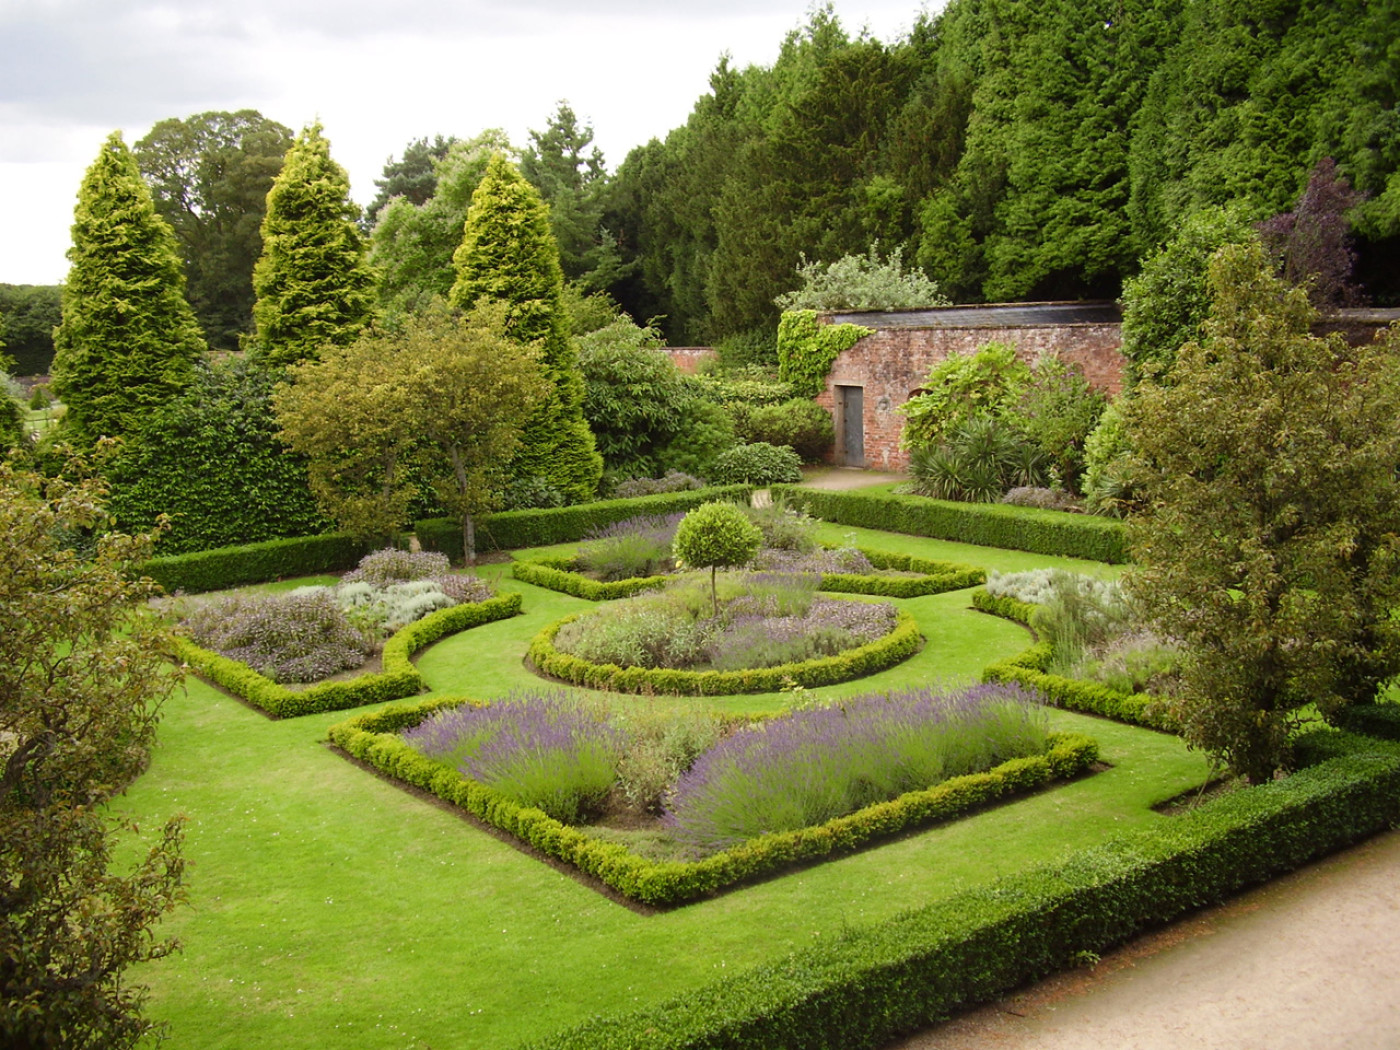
(807, 349)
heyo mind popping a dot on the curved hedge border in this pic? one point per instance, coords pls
(223, 567)
(371, 738)
(985, 524)
(513, 529)
(867, 986)
(398, 679)
(900, 644)
(1028, 668)
(558, 574)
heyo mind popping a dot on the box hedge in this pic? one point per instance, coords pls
(560, 574)
(900, 644)
(224, 567)
(870, 985)
(985, 524)
(1073, 694)
(514, 529)
(372, 739)
(398, 679)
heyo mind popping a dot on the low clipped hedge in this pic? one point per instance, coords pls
(1028, 668)
(559, 574)
(1382, 720)
(513, 529)
(900, 644)
(224, 567)
(372, 738)
(870, 985)
(398, 679)
(985, 524)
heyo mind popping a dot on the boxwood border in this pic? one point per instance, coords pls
(372, 738)
(900, 644)
(398, 679)
(557, 573)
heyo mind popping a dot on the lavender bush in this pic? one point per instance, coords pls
(823, 762)
(627, 549)
(540, 749)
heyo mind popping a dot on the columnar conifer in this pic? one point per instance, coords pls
(127, 340)
(313, 286)
(508, 254)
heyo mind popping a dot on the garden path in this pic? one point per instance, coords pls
(1310, 961)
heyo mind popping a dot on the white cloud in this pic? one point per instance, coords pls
(377, 75)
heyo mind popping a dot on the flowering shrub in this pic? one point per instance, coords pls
(302, 636)
(539, 749)
(819, 763)
(629, 549)
(391, 565)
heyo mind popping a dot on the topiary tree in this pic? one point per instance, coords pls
(1270, 541)
(313, 286)
(716, 536)
(128, 340)
(758, 463)
(508, 255)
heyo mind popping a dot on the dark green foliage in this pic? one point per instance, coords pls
(1271, 535)
(508, 255)
(868, 986)
(313, 286)
(513, 529)
(28, 315)
(209, 175)
(211, 459)
(225, 567)
(413, 177)
(1164, 305)
(635, 398)
(978, 460)
(802, 425)
(1057, 413)
(757, 464)
(12, 433)
(399, 678)
(128, 341)
(989, 525)
(372, 738)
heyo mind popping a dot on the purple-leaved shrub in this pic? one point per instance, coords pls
(819, 763)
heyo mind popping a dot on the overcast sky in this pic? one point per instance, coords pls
(377, 75)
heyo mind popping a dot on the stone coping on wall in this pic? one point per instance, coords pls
(990, 315)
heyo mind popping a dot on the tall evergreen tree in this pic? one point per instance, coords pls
(313, 285)
(128, 340)
(508, 255)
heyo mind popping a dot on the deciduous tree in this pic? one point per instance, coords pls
(1270, 546)
(209, 175)
(127, 340)
(84, 668)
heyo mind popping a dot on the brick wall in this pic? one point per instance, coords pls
(688, 358)
(892, 364)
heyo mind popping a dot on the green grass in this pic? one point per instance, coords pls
(330, 909)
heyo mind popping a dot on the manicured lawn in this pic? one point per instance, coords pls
(330, 908)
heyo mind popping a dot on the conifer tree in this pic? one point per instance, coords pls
(508, 254)
(128, 340)
(313, 285)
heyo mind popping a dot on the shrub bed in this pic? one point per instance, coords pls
(936, 577)
(371, 738)
(900, 644)
(870, 985)
(514, 529)
(985, 524)
(398, 679)
(224, 567)
(1028, 668)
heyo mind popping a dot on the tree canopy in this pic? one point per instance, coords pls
(209, 176)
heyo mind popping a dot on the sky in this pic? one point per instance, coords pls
(376, 74)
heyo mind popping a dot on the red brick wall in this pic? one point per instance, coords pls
(893, 362)
(688, 358)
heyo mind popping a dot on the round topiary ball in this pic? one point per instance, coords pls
(715, 536)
